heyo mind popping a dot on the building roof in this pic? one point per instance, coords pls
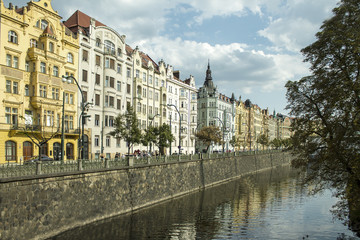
(80, 21)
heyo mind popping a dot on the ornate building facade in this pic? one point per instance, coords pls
(36, 50)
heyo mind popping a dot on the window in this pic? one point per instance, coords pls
(33, 43)
(97, 100)
(12, 87)
(112, 64)
(118, 104)
(118, 86)
(137, 73)
(97, 120)
(96, 142)
(97, 60)
(119, 68)
(71, 98)
(27, 92)
(144, 77)
(108, 141)
(156, 96)
(55, 93)
(42, 24)
(111, 101)
(128, 73)
(112, 82)
(11, 115)
(119, 52)
(27, 66)
(106, 81)
(85, 55)
(85, 96)
(12, 37)
(150, 94)
(106, 122)
(42, 91)
(16, 62)
(109, 47)
(107, 62)
(43, 67)
(70, 58)
(8, 60)
(56, 71)
(98, 42)
(97, 79)
(51, 47)
(138, 107)
(84, 75)
(144, 92)
(48, 118)
(111, 121)
(128, 88)
(150, 79)
(118, 143)
(10, 151)
(156, 82)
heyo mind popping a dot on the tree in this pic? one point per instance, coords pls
(208, 135)
(276, 143)
(37, 133)
(235, 142)
(164, 137)
(126, 127)
(263, 139)
(149, 137)
(326, 106)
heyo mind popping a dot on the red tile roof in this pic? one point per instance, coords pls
(79, 21)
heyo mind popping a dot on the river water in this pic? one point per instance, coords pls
(268, 205)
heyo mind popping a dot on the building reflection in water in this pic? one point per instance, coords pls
(244, 208)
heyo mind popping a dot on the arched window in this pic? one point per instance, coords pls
(57, 151)
(33, 43)
(69, 151)
(12, 37)
(109, 47)
(42, 24)
(70, 58)
(10, 151)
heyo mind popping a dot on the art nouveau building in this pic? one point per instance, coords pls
(216, 109)
(36, 50)
(106, 79)
(182, 111)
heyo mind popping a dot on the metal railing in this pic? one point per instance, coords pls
(57, 167)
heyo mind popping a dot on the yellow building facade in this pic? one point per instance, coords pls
(36, 50)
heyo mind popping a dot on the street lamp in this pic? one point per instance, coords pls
(82, 117)
(172, 105)
(223, 145)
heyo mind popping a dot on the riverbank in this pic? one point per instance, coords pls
(47, 205)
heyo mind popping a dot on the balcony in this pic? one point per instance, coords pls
(12, 72)
(38, 102)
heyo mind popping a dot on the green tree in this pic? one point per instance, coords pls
(276, 143)
(235, 142)
(149, 137)
(208, 135)
(164, 137)
(126, 127)
(263, 139)
(326, 106)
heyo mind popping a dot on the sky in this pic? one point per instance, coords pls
(253, 46)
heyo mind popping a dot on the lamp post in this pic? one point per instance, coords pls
(82, 117)
(172, 105)
(222, 124)
(152, 119)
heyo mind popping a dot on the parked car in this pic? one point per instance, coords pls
(43, 159)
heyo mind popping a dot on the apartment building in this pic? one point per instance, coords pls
(106, 79)
(36, 50)
(216, 109)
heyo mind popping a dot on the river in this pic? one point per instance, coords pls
(268, 205)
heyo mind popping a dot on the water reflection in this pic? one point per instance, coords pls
(268, 205)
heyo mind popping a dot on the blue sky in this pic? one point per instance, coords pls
(253, 45)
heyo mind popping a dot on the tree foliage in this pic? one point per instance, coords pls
(209, 135)
(126, 127)
(263, 139)
(164, 137)
(326, 106)
(235, 142)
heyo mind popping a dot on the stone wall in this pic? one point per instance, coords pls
(47, 205)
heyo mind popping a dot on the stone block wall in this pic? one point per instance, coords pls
(46, 205)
